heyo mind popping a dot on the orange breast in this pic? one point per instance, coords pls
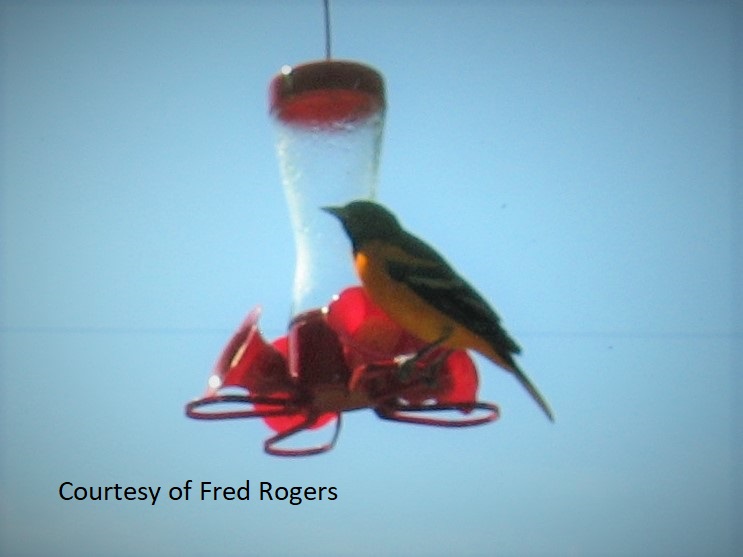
(409, 310)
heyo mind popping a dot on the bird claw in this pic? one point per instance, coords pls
(405, 366)
(432, 371)
(429, 374)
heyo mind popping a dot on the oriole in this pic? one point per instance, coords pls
(421, 292)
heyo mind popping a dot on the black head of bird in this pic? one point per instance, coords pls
(365, 221)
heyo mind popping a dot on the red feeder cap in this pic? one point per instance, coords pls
(326, 93)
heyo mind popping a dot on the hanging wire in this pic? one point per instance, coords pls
(326, 3)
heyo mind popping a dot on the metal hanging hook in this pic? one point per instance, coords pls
(326, 3)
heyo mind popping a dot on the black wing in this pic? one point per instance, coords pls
(433, 279)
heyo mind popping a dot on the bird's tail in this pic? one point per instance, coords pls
(527, 384)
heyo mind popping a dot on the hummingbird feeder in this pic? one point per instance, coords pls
(341, 352)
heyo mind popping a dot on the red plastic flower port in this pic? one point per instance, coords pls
(345, 357)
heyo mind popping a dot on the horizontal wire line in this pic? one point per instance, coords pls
(273, 331)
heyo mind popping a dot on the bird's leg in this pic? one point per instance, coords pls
(431, 375)
(406, 363)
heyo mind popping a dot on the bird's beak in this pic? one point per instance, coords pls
(335, 211)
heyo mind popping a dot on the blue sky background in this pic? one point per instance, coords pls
(579, 162)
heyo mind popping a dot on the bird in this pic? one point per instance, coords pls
(420, 291)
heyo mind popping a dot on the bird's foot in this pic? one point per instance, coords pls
(427, 373)
(406, 366)
(430, 374)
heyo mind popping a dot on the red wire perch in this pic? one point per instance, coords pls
(344, 357)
